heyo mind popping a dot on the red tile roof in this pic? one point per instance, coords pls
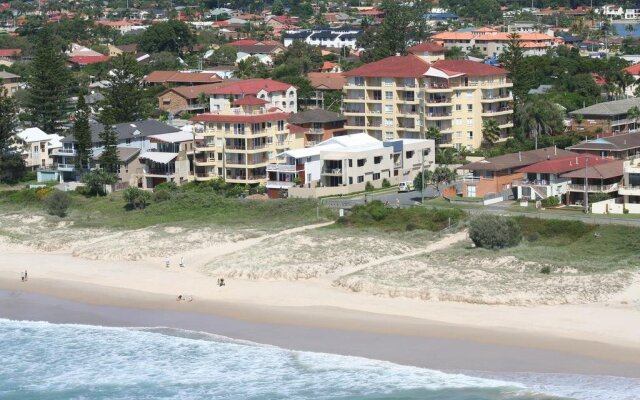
(470, 68)
(250, 101)
(193, 91)
(392, 67)
(253, 86)
(565, 164)
(86, 60)
(634, 69)
(243, 42)
(10, 52)
(182, 77)
(247, 119)
(429, 47)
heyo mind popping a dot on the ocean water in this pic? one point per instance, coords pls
(39, 360)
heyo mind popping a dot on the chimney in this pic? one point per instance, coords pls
(519, 156)
(577, 161)
(548, 157)
(555, 150)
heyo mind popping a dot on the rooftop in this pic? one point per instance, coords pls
(394, 67)
(517, 160)
(182, 77)
(426, 47)
(252, 86)
(128, 130)
(240, 118)
(250, 100)
(327, 80)
(318, 115)
(565, 164)
(609, 108)
(612, 169)
(611, 143)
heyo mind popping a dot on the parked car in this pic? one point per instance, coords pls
(405, 187)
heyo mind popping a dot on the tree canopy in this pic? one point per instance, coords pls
(173, 36)
(123, 99)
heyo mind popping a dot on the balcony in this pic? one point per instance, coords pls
(203, 162)
(64, 152)
(332, 171)
(316, 131)
(442, 101)
(245, 178)
(492, 99)
(439, 115)
(281, 168)
(629, 190)
(504, 83)
(279, 184)
(65, 167)
(498, 111)
(594, 188)
(311, 143)
(506, 125)
(438, 87)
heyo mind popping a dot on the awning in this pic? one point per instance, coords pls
(161, 158)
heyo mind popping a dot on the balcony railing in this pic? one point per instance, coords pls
(281, 168)
(440, 114)
(66, 151)
(439, 100)
(280, 184)
(538, 182)
(594, 188)
(332, 171)
(65, 167)
(498, 110)
(316, 131)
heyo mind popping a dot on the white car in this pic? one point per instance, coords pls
(405, 187)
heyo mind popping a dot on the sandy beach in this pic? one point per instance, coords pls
(316, 313)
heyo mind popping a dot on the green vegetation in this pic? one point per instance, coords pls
(57, 203)
(137, 198)
(375, 215)
(494, 232)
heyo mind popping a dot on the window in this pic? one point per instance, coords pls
(388, 81)
(457, 135)
(388, 122)
(388, 135)
(457, 93)
(350, 180)
(470, 134)
(227, 127)
(361, 162)
(239, 129)
(469, 107)
(457, 121)
(219, 156)
(458, 107)
(388, 95)
(291, 104)
(409, 154)
(219, 171)
(377, 94)
(350, 163)
(377, 159)
(281, 125)
(361, 179)
(469, 121)
(388, 108)
(269, 140)
(166, 101)
(471, 191)
(470, 94)
(376, 176)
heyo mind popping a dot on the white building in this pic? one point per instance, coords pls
(324, 37)
(632, 13)
(612, 10)
(36, 146)
(345, 164)
(282, 96)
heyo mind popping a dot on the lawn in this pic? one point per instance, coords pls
(183, 209)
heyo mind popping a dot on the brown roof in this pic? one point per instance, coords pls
(182, 77)
(128, 48)
(517, 160)
(565, 164)
(612, 169)
(192, 92)
(429, 47)
(393, 67)
(612, 143)
(328, 81)
(250, 101)
(258, 48)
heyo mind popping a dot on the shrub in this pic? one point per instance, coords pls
(44, 192)
(494, 232)
(161, 195)
(166, 186)
(96, 181)
(410, 227)
(386, 183)
(550, 201)
(29, 176)
(596, 197)
(533, 236)
(24, 196)
(57, 203)
(136, 198)
(545, 270)
(369, 187)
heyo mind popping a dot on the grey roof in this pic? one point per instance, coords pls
(8, 75)
(516, 160)
(608, 170)
(612, 143)
(609, 108)
(318, 115)
(542, 89)
(125, 154)
(128, 130)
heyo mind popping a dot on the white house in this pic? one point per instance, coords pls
(632, 13)
(324, 37)
(612, 10)
(36, 147)
(345, 164)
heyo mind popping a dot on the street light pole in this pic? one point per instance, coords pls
(586, 193)
(422, 178)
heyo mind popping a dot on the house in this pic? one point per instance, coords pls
(632, 13)
(337, 38)
(36, 147)
(121, 49)
(428, 51)
(317, 125)
(187, 98)
(130, 164)
(282, 96)
(130, 134)
(489, 41)
(401, 97)
(619, 147)
(324, 83)
(240, 136)
(497, 175)
(634, 71)
(169, 161)
(281, 23)
(9, 56)
(543, 179)
(162, 77)
(600, 178)
(612, 11)
(123, 26)
(10, 82)
(630, 189)
(346, 164)
(83, 61)
(606, 118)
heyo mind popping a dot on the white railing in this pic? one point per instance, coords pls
(280, 184)
(594, 188)
(66, 166)
(281, 168)
(316, 131)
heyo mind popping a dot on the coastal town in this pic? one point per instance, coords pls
(458, 180)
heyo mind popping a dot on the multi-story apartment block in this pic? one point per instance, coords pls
(240, 138)
(401, 97)
(282, 96)
(491, 42)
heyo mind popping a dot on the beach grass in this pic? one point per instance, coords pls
(182, 209)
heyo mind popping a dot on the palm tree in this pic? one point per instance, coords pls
(433, 133)
(634, 114)
(203, 99)
(490, 131)
(540, 117)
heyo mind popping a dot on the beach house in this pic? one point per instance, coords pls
(618, 147)
(36, 147)
(346, 164)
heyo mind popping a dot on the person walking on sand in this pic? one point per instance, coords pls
(26, 278)
(181, 262)
(166, 261)
(23, 277)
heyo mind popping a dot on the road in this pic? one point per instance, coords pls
(406, 199)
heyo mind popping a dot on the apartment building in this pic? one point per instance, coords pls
(401, 97)
(278, 95)
(10, 82)
(239, 139)
(630, 190)
(345, 164)
(492, 42)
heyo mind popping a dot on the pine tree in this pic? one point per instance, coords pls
(7, 119)
(109, 160)
(513, 61)
(82, 134)
(48, 84)
(123, 99)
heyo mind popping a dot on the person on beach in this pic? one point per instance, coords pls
(23, 277)
(179, 298)
(26, 278)
(181, 262)
(166, 261)
(221, 282)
